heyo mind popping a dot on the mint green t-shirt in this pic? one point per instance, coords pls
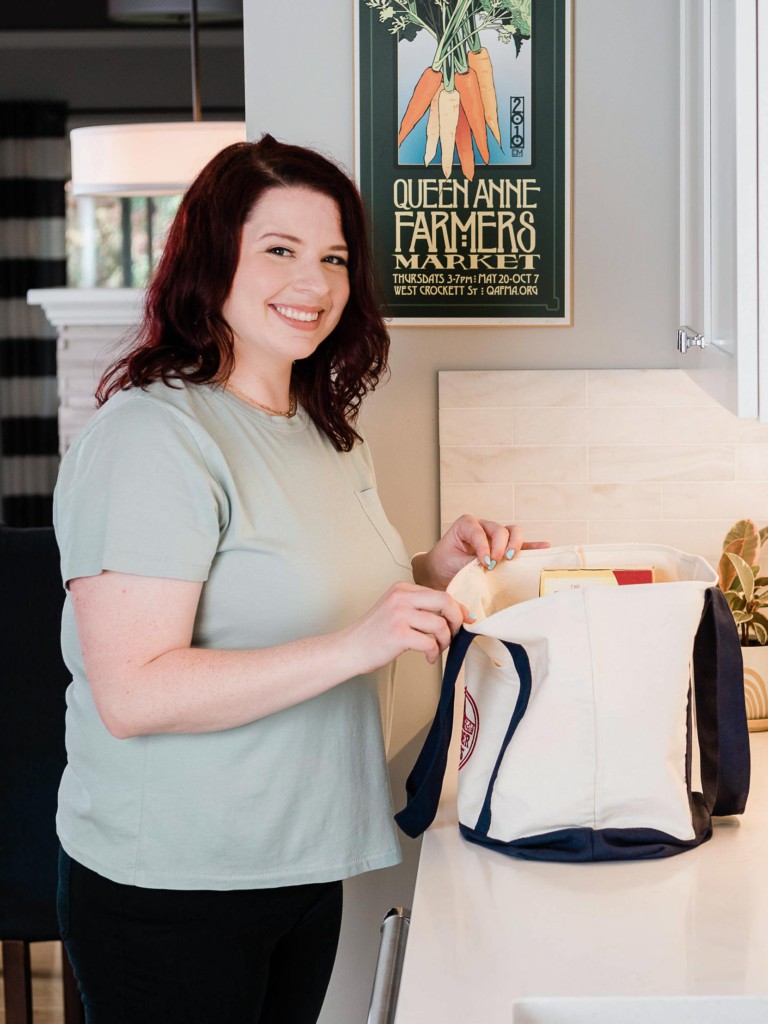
(290, 540)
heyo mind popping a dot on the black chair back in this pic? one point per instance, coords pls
(33, 679)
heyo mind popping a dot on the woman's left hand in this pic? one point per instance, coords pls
(468, 538)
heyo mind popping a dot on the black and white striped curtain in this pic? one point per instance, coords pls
(34, 166)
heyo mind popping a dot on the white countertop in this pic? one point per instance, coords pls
(495, 939)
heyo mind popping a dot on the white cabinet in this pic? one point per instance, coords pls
(722, 174)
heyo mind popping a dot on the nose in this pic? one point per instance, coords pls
(311, 277)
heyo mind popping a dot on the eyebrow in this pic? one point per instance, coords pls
(292, 238)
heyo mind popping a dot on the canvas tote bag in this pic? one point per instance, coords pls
(579, 718)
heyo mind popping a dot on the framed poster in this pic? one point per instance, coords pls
(463, 156)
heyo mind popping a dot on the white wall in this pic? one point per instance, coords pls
(299, 84)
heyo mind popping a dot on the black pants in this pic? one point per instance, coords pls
(162, 956)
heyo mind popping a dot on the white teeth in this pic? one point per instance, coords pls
(297, 314)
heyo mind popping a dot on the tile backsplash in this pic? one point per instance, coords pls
(599, 456)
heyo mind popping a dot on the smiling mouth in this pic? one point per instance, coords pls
(298, 314)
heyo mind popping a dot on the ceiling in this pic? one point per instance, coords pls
(55, 14)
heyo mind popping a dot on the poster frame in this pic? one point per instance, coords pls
(469, 318)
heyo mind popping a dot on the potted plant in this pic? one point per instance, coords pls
(746, 592)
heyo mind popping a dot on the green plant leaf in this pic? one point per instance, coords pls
(725, 569)
(743, 540)
(761, 581)
(763, 535)
(735, 600)
(760, 620)
(725, 573)
(761, 633)
(742, 617)
(746, 533)
(744, 572)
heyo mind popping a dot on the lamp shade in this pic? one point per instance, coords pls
(156, 159)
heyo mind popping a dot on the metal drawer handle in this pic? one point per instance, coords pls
(389, 966)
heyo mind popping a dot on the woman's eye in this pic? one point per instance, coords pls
(337, 261)
(279, 250)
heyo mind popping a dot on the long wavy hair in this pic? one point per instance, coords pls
(183, 334)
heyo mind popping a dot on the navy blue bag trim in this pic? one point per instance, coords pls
(523, 669)
(424, 783)
(721, 716)
(576, 845)
(723, 739)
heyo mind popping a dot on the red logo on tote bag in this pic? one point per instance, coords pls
(469, 729)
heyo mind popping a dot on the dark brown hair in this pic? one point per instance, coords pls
(183, 335)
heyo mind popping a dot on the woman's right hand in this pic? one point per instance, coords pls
(407, 618)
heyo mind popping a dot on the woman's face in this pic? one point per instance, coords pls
(291, 284)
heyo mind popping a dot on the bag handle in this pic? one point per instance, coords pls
(425, 782)
(523, 668)
(721, 716)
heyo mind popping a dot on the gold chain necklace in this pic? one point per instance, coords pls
(252, 401)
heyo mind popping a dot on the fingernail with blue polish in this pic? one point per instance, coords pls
(487, 559)
(472, 618)
(492, 564)
(510, 554)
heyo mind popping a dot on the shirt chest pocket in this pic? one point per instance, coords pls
(371, 505)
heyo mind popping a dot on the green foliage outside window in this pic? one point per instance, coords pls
(115, 242)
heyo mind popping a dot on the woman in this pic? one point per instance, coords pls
(234, 589)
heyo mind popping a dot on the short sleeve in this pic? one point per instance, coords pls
(135, 495)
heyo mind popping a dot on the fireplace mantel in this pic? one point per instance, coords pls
(91, 323)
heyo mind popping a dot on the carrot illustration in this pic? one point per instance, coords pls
(464, 145)
(433, 128)
(472, 103)
(480, 63)
(448, 106)
(460, 76)
(426, 87)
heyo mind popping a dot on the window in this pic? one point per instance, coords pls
(115, 242)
